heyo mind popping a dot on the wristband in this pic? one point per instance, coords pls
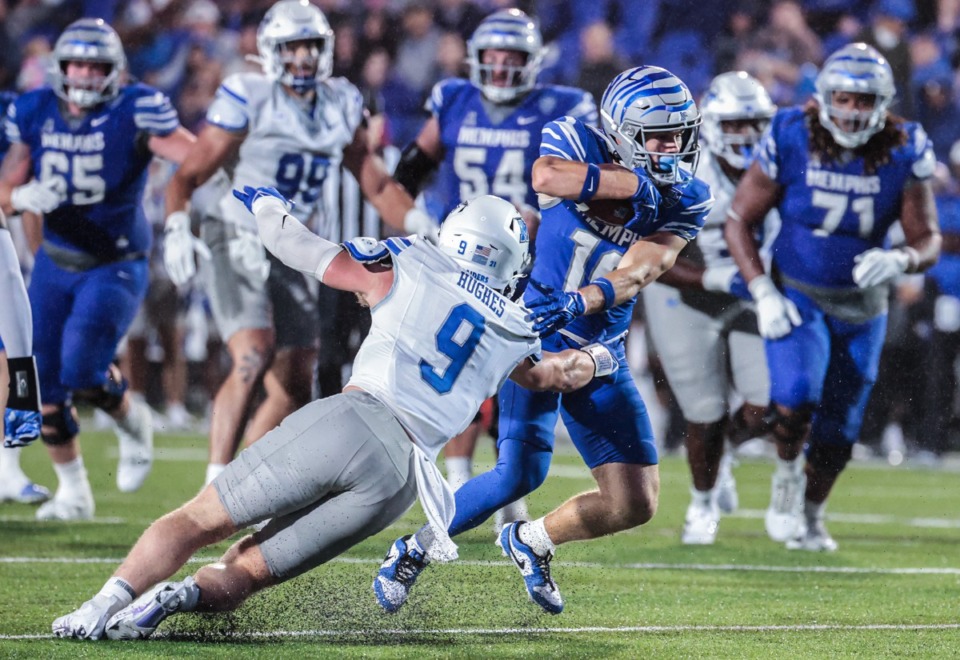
(590, 184)
(603, 360)
(609, 294)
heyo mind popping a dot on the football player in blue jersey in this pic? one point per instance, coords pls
(79, 154)
(22, 413)
(587, 274)
(482, 138)
(841, 171)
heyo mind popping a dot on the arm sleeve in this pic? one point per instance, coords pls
(289, 241)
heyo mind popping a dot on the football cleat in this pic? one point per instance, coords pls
(815, 538)
(534, 568)
(68, 507)
(784, 519)
(727, 498)
(400, 568)
(136, 447)
(140, 619)
(29, 493)
(701, 523)
(20, 427)
(87, 622)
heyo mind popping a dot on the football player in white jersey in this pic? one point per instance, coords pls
(289, 126)
(445, 335)
(705, 334)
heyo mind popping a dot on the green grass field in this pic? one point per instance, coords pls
(893, 589)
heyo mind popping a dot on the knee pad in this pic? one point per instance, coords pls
(788, 427)
(829, 458)
(108, 396)
(60, 426)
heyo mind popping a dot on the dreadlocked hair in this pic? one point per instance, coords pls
(875, 153)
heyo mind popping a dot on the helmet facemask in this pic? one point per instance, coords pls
(630, 140)
(287, 25)
(510, 30)
(301, 73)
(852, 128)
(88, 40)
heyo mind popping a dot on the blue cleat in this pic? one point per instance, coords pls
(140, 619)
(20, 427)
(403, 564)
(30, 493)
(534, 568)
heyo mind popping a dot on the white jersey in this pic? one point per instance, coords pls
(710, 241)
(287, 145)
(440, 343)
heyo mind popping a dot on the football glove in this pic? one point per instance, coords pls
(419, 223)
(555, 309)
(776, 314)
(20, 427)
(179, 246)
(647, 193)
(36, 196)
(878, 266)
(249, 195)
(726, 279)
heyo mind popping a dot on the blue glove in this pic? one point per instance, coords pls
(738, 287)
(20, 427)
(554, 310)
(647, 193)
(249, 195)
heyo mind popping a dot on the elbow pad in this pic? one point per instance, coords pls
(414, 168)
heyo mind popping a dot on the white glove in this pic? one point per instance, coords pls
(419, 223)
(879, 266)
(36, 196)
(719, 278)
(776, 314)
(179, 244)
(248, 251)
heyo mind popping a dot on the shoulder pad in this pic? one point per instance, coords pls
(367, 250)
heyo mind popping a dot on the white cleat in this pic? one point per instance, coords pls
(84, 623)
(68, 507)
(23, 493)
(727, 498)
(701, 524)
(510, 513)
(784, 517)
(136, 447)
(140, 619)
(815, 538)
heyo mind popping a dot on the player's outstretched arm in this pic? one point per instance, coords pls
(392, 201)
(566, 371)
(17, 192)
(420, 158)
(299, 248)
(570, 179)
(173, 147)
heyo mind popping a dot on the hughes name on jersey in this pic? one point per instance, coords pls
(99, 162)
(574, 248)
(833, 211)
(440, 343)
(489, 149)
(288, 145)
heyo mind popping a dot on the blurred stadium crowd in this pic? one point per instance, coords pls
(395, 50)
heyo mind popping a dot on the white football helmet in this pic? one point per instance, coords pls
(509, 29)
(645, 100)
(488, 237)
(857, 68)
(88, 40)
(735, 96)
(295, 20)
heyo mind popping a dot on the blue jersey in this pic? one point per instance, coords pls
(100, 163)
(833, 211)
(6, 98)
(946, 272)
(574, 248)
(489, 149)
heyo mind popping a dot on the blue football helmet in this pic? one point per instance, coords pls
(735, 96)
(509, 29)
(489, 238)
(295, 20)
(88, 40)
(647, 100)
(860, 69)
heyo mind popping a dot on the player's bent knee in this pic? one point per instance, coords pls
(829, 459)
(791, 425)
(60, 426)
(107, 396)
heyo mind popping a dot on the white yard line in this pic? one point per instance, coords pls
(643, 566)
(526, 632)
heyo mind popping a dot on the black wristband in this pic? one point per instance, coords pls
(24, 384)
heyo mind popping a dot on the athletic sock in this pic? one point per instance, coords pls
(118, 591)
(459, 471)
(213, 471)
(72, 476)
(534, 534)
(702, 498)
(11, 474)
(813, 511)
(424, 538)
(789, 468)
